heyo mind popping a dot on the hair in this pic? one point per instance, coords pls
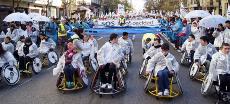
(113, 36)
(165, 46)
(192, 36)
(2, 51)
(148, 39)
(125, 33)
(224, 44)
(28, 40)
(8, 37)
(220, 25)
(228, 21)
(158, 40)
(204, 38)
(21, 37)
(42, 34)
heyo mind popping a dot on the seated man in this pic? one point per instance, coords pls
(27, 52)
(154, 49)
(146, 45)
(110, 54)
(46, 43)
(190, 46)
(164, 64)
(126, 43)
(87, 49)
(7, 45)
(204, 52)
(220, 66)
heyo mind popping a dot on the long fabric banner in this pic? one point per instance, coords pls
(134, 23)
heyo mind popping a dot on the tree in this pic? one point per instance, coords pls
(67, 4)
(17, 4)
(165, 5)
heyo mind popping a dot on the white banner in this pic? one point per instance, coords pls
(134, 23)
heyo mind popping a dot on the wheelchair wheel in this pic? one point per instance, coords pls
(10, 74)
(37, 65)
(94, 65)
(59, 82)
(52, 57)
(179, 84)
(143, 68)
(148, 81)
(84, 77)
(183, 59)
(206, 85)
(193, 71)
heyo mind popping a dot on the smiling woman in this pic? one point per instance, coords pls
(140, 5)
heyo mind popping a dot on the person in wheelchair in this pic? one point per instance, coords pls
(220, 66)
(147, 44)
(126, 43)
(164, 65)
(87, 49)
(69, 63)
(27, 52)
(95, 44)
(204, 52)
(6, 57)
(153, 49)
(109, 55)
(46, 44)
(18, 45)
(7, 44)
(190, 46)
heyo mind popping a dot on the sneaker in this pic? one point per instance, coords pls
(103, 85)
(166, 92)
(67, 84)
(71, 84)
(109, 86)
(160, 94)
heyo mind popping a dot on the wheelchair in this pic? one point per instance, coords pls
(118, 85)
(143, 69)
(9, 74)
(185, 59)
(33, 67)
(91, 65)
(197, 72)
(123, 67)
(223, 94)
(79, 78)
(50, 58)
(151, 86)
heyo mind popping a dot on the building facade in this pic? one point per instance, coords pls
(217, 7)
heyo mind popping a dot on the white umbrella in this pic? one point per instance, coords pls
(41, 18)
(212, 21)
(21, 17)
(32, 15)
(197, 13)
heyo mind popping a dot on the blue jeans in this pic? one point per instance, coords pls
(69, 71)
(163, 79)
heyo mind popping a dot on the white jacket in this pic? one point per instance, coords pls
(202, 52)
(226, 35)
(18, 45)
(126, 45)
(152, 51)
(33, 51)
(220, 64)
(8, 47)
(88, 49)
(76, 63)
(219, 39)
(110, 53)
(95, 44)
(188, 46)
(8, 58)
(46, 45)
(160, 62)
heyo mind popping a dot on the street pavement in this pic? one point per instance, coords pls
(41, 89)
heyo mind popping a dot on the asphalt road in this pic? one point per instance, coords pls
(41, 89)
